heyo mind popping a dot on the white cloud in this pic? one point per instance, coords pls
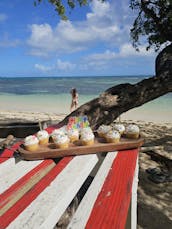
(3, 17)
(99, 9)
(43, 68)
(67, 37)
(106, 56)
(65, 65)
(106, 27)
(60, 65)
(127, 50)
(109, 58)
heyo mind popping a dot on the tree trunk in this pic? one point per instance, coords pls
(123, 97)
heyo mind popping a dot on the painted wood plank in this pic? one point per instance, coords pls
(23, 185)
(10, 171)
(134, 197)
(82, 214)
(111, 207)
(47, 208)
(7, 164)
(31, 195)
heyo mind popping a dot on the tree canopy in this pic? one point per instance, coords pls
(154, 20)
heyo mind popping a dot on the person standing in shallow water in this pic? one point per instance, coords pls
(74, 103)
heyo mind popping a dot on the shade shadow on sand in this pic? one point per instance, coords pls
(156, 219)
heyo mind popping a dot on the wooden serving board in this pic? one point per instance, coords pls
(99, 146)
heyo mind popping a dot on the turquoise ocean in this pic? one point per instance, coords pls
(52, 94)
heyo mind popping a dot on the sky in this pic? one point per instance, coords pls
(95, 41)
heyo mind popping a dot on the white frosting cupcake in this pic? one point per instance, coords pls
(61, 140)
(113, 136)
(31, 143)
(57, 131)
(30, 140)
(43, 137)
(64, 129)
(132, 131)
(120, 128)
(73, 134)
(103, 129)
(86, 130)
(87, 138)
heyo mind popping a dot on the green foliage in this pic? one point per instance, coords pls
(154, 21)
(60, 5)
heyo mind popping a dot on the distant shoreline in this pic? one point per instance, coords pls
(52, 96)
(99, 76)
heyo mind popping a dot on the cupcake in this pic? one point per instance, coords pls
(56, 132)
(132, 131)
(31, 143)
(86, 129)
(120, 128)
(43, 137)
(87, 138)
(61, 141)
(102, 130)
(113, 136)
(73, 135)
(64, 129)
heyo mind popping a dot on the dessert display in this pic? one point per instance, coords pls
(77, 138)
(132, 131)
(87, 137)
(61, 141)
(119, 127)
(113, 136)
(43, 137)
(31, 143)
(102, 130)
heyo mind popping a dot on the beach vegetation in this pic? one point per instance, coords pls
(153, 22)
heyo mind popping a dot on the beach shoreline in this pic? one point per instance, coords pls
(133, 115)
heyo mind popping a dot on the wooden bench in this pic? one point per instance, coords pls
(35, 194)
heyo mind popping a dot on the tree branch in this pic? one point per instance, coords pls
(121, 98)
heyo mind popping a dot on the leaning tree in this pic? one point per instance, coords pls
(154, 21)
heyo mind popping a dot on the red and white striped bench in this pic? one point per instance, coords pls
(35, 194)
